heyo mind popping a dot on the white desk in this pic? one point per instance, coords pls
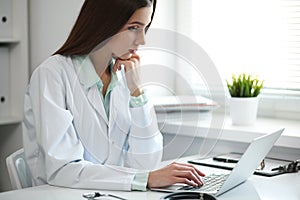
(255, 188)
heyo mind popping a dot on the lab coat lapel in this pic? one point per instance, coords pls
(113, 110)
(95, 100)
(119, 103)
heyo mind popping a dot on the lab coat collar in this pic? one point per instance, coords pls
(86, 71)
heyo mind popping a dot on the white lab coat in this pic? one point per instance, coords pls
(68, 139)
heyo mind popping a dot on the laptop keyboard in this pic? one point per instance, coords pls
(211, 183)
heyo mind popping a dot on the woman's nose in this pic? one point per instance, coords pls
(140, 40)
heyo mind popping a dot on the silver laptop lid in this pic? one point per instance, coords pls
(250, 160)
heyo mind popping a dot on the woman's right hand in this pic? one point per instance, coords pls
(175, 173)
(132, 72)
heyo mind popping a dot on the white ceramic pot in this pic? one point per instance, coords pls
(243, 111)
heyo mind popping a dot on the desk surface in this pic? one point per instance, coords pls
(255, 188)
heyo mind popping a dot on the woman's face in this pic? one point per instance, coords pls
(132, 35)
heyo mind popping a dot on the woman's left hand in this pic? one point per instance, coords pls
(132, 73)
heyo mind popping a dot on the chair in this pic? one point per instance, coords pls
(18, 170)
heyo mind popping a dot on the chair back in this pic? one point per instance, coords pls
(18, 170)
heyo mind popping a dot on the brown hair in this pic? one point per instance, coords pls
(99, 20)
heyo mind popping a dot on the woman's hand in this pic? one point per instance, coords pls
(132, 73)
(175, 173)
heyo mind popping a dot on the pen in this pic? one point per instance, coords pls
(280, 168)
(225, 160)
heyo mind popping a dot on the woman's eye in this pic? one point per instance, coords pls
(134, 28)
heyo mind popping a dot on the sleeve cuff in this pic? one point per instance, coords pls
(138, 101)
(140, 181)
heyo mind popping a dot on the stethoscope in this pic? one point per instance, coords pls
(94, 195)
(171, 196)
(188, 195)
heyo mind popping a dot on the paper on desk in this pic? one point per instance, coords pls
(183, 103)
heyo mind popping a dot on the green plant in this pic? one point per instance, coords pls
(244, 86)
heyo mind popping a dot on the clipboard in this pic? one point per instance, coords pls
(228, 161)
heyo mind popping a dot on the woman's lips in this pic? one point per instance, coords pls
(132, 51)
(128, 55)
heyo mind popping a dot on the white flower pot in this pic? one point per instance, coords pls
(243, 111)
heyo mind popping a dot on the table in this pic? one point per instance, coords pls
(280, 187)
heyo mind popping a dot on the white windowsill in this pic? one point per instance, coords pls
(197, 125)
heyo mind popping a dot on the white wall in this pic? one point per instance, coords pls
(158, 64)
(50, 22)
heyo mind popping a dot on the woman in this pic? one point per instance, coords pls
(86, 123)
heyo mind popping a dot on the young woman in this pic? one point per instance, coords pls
(87, 122)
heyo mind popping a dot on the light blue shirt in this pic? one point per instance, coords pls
(88, 73)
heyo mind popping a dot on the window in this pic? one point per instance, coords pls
(260, 37)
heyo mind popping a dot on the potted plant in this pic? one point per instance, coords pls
(244, 90)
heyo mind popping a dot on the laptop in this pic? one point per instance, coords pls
(217, 184)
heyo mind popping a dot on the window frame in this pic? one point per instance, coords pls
(277, 103)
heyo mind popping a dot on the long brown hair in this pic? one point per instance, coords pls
(99, 20)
